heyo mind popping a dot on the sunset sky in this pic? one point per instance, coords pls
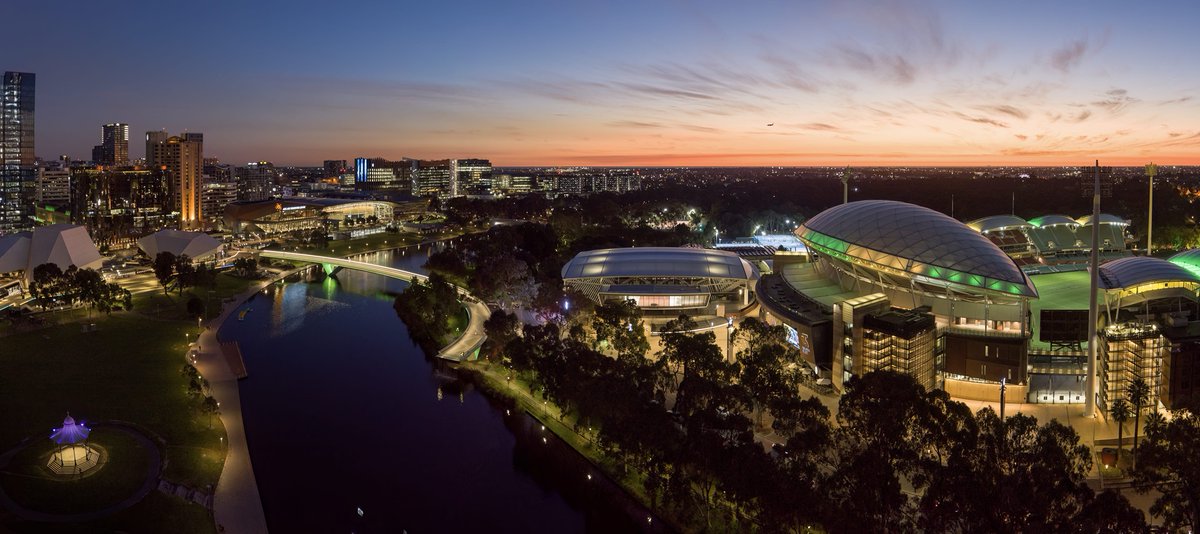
(622, 83)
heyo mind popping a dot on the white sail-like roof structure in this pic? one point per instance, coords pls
(14, 252)
(196, 245)
(914, 241)
(1138, 270)
(667, 262)
(63, 245)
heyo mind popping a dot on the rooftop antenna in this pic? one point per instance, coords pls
(1151, 171)
(845, 175)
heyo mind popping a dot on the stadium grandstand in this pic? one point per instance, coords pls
(1054, 243)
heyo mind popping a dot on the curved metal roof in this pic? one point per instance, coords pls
(1137, 270)
(1105, 218)
(658, 261)
(997, 222)
(915, 240)
(1188, 259)
(1050, 220)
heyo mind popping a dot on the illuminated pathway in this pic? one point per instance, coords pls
(477, 312)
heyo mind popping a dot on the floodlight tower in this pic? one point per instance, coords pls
(1093, 305)
(1151, 171)
(845, 176)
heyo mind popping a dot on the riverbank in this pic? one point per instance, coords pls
(496, 381)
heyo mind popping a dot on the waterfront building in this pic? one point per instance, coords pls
(18, 171)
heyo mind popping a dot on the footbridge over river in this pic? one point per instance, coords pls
(477, 312)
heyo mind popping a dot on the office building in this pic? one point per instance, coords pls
(381, 175)
(433, 178)
(472, 177)
(183, 158)
(335, 168)
(256, 181)
(53, 186)
(114, 145)
(18, 172)
(219, 190)
(119, 204)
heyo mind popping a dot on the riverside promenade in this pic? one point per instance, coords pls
(237, 506)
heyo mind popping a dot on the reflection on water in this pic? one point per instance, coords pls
(354, 416)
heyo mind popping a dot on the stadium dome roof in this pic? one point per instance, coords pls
(998, 222)
(898, 236)
(658, 261)
(63, 245)
(1050, 220)
(1137, 270)
(1188, 259)
(197, 245)
(14, 252)
(1105, 218)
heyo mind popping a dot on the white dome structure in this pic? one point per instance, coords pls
(915, 242)
(196, 245)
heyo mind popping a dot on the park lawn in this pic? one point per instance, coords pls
(174, 305)
(342, 247)
(156, 513)
(127, 370)
(27, 481)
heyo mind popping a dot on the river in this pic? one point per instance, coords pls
(352, 428)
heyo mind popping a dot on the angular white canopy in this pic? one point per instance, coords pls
(197, 245)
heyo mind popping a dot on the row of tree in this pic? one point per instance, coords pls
(895, 458)
(51, 285)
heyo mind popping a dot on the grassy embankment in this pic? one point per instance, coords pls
(127, 369)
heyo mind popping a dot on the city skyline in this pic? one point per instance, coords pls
(877, 83)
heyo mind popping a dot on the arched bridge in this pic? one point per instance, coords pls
(477, 312)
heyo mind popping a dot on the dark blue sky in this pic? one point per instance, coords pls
(599, 82)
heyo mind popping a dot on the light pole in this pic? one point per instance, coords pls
(1151, 171)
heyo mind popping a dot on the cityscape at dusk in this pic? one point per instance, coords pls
(628, 83)
(599, 267)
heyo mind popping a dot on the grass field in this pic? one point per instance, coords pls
(127, 369)
(30, 484)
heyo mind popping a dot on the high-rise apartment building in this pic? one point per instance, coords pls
(183, 158)
(472, 177)
(114, 145)
(18, 172)
(256, 181)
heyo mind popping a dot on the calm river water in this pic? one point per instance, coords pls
(344, 413)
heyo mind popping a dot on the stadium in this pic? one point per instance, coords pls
(964, 306)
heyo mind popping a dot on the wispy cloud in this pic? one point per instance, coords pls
(980, 120)
(1070, 55)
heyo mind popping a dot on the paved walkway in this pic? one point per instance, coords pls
(237, 505)
(153, 472)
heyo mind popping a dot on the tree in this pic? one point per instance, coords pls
(1138, 393)
(185, 273)
(1169, 460)
(618, 324)
(1120, 413)
(211, 407)
(46, 284)
(501, 328)
(195, 307)
(1108, 512)
(1015, 476)
(506, 282)
(164, 269)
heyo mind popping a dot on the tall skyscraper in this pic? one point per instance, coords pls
(18, 172)
(114, 145)
(183, 159)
